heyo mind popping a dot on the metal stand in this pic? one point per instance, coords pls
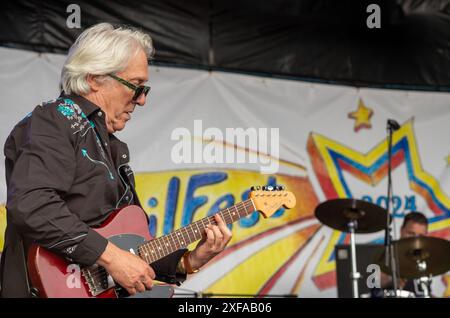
(425, 281)
(390, 261)
(355, 275)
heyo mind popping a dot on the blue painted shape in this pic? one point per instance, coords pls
(152, 225)
(228, 199)
(171, 205)
(193, 203)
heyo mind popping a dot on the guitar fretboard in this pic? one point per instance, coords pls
(156, 249)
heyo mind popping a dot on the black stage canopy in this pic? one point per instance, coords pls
(316, 40)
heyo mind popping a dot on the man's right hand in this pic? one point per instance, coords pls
(128, 270)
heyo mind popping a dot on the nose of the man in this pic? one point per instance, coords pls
(141, 100)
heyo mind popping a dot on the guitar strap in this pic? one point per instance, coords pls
(130, 182)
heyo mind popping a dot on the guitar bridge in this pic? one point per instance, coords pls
(97, 279)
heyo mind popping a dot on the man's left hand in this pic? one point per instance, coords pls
(214, 241)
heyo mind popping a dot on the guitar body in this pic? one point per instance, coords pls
(54, 276)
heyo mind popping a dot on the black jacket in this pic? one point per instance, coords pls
(65, 174)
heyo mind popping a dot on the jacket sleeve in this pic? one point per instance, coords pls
(166, 268)
(42, 175)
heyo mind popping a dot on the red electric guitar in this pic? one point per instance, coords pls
(53, 276)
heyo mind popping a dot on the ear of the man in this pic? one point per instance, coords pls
(94, 82)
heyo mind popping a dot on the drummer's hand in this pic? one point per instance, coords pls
(401, 282)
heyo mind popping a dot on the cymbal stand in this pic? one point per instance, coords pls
(355, 275)
(425, 281)
(391, 260)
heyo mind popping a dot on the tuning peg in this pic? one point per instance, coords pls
(258, 187)
(270, 188)
(252, 188)
(280, 188)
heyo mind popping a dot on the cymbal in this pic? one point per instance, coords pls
(434, 251)
(337, 213)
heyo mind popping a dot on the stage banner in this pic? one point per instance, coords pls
(204, 138)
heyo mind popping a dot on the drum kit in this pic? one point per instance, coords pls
(419, 258)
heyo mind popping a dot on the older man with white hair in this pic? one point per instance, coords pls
(66, 171)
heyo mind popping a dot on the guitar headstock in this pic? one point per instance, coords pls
(268, 199)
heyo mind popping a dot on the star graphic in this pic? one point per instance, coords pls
(332, 160)
(362, 116)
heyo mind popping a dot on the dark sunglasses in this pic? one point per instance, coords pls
(138, 90)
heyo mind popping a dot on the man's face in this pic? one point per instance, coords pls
(118, 102)
(412, 229)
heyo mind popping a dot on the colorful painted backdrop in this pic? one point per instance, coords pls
(332, 143)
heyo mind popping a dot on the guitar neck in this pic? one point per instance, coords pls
(156, 249)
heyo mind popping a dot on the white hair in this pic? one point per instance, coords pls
(101, 50)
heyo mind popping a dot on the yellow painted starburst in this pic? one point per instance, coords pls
(2, 224)
(446, 281)
(361, 116)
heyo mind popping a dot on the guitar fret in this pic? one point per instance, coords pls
(153, 249)
(254, 207)
(168, 245)
(157, 248)
(223, 215)
(164, 247)
(177, 235)
(148, 248)
(141, 253)
(176, 239)
(238, 213)
(245, 208)
(226, 214)
(189, 229)
(183, 237)
(199, 232)
(232, 216)
(195, 232)
(203, 223)
(146, 252)
(174, 246)
(173, 241)
(189, 240)
(251, 206)
(160, 247)
(235, 213)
